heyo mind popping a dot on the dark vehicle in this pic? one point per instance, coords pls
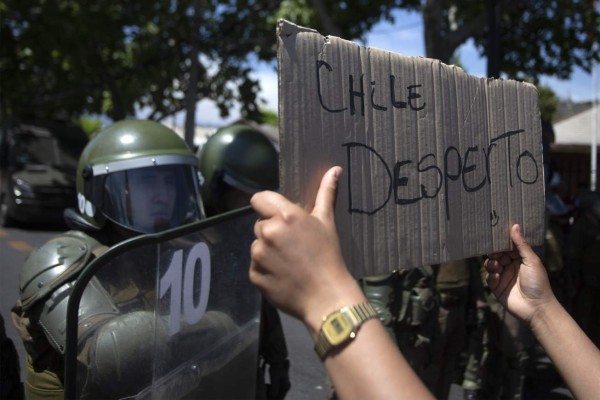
(38, 160)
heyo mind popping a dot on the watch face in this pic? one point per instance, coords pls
(337, 328)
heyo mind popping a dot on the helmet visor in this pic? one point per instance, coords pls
(152, 199)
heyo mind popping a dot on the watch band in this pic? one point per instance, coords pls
(341, 326)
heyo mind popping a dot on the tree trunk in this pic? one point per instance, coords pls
(118, 113)
(191, 93)
(330, 27)
(440, 41)
(435, 41)
(493, 38)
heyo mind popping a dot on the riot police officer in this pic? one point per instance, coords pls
(133, 177)
(236, 162)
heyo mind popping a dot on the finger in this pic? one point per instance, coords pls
(507, 279)
(258, 228)
(492, 266)
(325, 201)
(257, 277)
(511, 254)
(268, 203)
(253, 273)
(492, 280)
(524, 249)
(505, 259)
(256, 258)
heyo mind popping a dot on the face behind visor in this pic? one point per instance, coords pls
(151, 199)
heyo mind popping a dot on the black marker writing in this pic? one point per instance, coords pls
(410, 182)
(356, 93)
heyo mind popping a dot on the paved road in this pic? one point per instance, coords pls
(307, 373)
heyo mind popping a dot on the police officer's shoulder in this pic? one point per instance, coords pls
(57, 261)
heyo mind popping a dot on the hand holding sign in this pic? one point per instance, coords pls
(297, 264)
(518, 279)
(296, 258)
(520, 282)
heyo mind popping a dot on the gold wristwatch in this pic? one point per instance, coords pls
(341, 326)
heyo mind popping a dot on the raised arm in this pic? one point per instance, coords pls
(297, 264)
(519, 281)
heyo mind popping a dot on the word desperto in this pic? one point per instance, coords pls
(412, 180)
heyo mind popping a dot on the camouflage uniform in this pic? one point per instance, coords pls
(507, 347)
(477, 319)
(407, 302)
(457, 282)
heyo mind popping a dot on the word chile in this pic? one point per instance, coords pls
(356, 93)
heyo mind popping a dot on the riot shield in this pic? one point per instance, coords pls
(171, 315)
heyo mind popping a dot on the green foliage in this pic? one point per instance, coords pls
(455, 60)
(545, 37)
(268, 117)
(535, 37)
(72, 57)
(90, 126)
(350, 19)
(548, 103)
(297, 11)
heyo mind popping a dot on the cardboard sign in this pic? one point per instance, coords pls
(437, 164)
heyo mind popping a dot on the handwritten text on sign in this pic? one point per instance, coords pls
(438, 164)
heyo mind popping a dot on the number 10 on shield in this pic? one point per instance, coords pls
(179, 281)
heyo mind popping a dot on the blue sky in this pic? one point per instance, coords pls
(405, 37)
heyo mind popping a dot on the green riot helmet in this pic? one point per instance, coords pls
(141, 176)
(239, 157)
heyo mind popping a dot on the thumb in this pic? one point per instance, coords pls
(325, 201)
(524, 249)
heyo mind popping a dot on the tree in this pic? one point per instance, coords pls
(71, 57)
(548, 103)
(66, 58)
(533, 38)
(522, 38)
(350, 19)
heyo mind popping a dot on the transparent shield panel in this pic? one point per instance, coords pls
(174, 319)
